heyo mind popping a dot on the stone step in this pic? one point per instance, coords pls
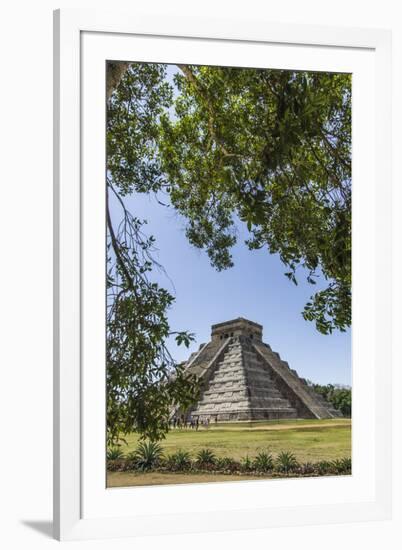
(270, 403)
(228, 366)
(222, 408)
(215, 389)
(227, 369)
(266, 403)
(242, 393)
(256, 391)
(232, 383)
(257, 376)
(228, 377)
(250, 375)
(253, 412)
(234, 361)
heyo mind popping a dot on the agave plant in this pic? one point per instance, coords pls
(324, 467)
(342, 466)
(286, 462)
(246, 464)
(206, 458)
(227, 464)
(147, 455)
(178, 461)
(347, 464)
(114, 453)
(263, 462)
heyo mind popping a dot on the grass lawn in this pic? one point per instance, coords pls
(309, 440)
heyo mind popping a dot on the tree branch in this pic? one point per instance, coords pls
(207, 101)
(114, 73)
(116, 248)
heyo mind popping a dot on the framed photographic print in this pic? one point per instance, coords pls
(222, 304)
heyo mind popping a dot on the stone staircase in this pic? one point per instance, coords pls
(242, 388)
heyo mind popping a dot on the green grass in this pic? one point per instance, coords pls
(309, 440)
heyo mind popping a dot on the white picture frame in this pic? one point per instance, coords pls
(83, 507)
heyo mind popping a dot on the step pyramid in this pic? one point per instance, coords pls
(242, 379)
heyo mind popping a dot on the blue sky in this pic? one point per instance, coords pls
(255, 288)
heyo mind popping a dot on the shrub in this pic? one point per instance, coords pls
(246, 464)
(347, 464)
(206, 458)
(146, 456)
(114, 453)
(307, 468)
(178, 461)
(342, 466)
(286, 462)
(324, 467)
(116, 465)
(227, 464)
(263, 462)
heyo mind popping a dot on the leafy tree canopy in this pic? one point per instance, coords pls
(273, 148)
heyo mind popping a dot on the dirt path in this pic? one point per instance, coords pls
(128, 479)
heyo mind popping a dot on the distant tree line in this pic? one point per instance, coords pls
(339, 397)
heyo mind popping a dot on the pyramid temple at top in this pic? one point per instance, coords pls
(242, 379)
